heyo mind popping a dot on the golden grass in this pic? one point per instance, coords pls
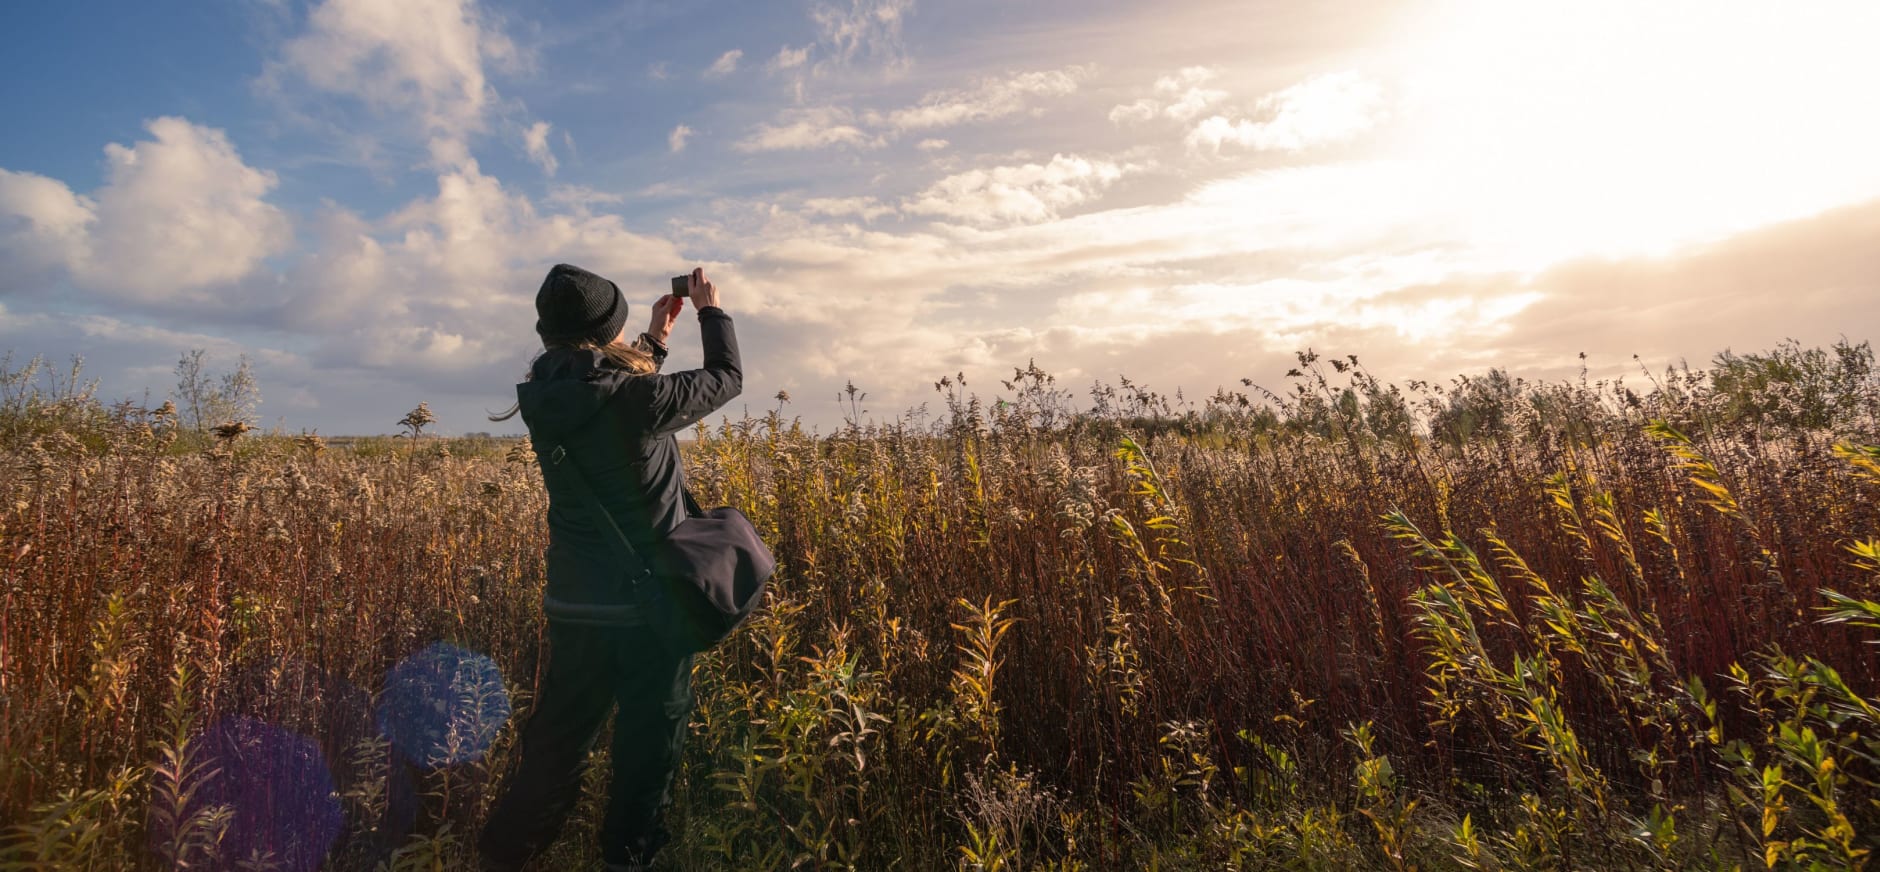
(1597, 630)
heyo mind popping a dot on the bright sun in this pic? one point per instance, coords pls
(1567, 129)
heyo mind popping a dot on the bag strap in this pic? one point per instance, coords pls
(657, 620)
(623, 547)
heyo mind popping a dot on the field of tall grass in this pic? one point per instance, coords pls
(1341, 624)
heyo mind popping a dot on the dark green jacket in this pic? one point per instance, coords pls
(620, 429)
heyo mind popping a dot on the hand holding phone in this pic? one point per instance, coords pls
(696, 286)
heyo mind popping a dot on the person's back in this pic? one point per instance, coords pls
(601, 400)
(622, 426)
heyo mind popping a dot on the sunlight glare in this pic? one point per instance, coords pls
(1609, 129)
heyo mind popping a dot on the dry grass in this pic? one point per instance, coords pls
(1483, 625)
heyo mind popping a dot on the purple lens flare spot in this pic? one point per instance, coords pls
(277, 789)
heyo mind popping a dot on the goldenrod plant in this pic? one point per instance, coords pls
(1488, 624)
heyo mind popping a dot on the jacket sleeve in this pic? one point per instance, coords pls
(654, 348)
(682, 399)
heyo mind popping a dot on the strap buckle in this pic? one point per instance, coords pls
(557, 455)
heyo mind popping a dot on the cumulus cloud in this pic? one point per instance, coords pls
(423, 58)
(1319, 111)
(444, 284)
(989, 99)
(535, 139)
(44, 229)
(725, 65)
(346, 267)
(790, 58)
(1252, 251)
(1182, 97)
(178, 215)
(1021, 255)
(1193, 102)
(1240, 272)
(815, 127)
(1023, 194)
(1141, 110)
(1185, 79)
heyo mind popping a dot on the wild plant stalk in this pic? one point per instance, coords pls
(185, 831)
(1019, 635)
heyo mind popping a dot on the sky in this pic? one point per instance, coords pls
(363, 196)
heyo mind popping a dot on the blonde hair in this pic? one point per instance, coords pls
(636, 357)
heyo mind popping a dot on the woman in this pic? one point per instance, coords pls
(600, 396)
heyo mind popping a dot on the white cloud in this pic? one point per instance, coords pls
(44, 228)
(536, 140)
(990, 99)
(135, 347)
(345, 270)
(1066, 253)
(1141, 110)
(865, 208)
(675, 141)
(581, 197)
(1024, 194)
(178, 215)
(790, 58)
(449, 151)
(808, 128)
(1193, 102)
(1184, 79)
(1186, 98)
(420, 57)
(1267, 307)
(725, 65)
(939, 289)
(863, 29)
(664, 190)
(445, 284)
(1319, 111)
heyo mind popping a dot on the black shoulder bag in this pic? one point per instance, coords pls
(703, 580)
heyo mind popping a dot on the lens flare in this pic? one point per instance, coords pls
(443, 705)
(277, 786)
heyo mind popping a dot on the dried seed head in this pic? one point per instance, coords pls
(311, 443)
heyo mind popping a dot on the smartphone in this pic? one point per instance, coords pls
(681, 285)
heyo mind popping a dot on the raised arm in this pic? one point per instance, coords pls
(681, 399)
(665, 311)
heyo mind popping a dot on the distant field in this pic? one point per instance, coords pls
(1480, 625)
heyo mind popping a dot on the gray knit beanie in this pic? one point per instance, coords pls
(575, 304)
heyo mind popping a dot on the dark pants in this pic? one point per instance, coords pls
(591, 670)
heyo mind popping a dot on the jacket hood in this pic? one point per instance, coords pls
(566, 388)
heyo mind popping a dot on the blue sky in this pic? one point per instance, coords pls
(362, 196)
